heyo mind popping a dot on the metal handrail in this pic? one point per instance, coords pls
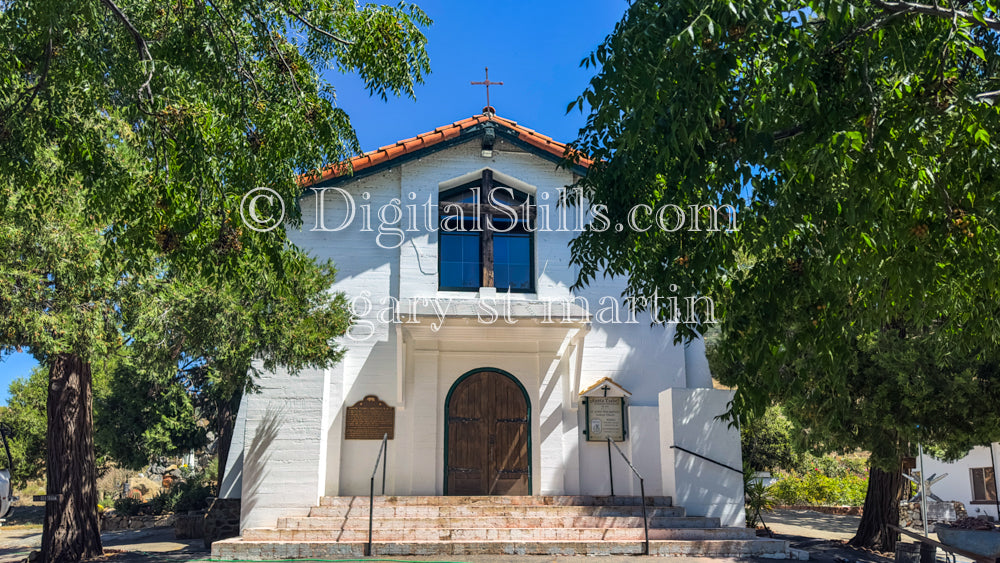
(371, 492)
(685, 450)
(720, 464)
(642, 491)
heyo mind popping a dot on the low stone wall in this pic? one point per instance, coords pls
(189, 526)
(937, 513)
(847, 510)
(222, 520)
(111, 522)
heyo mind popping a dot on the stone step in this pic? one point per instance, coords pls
(383, 534)
(535, 500)
(452, 523)
(530, 511)
(238, 549)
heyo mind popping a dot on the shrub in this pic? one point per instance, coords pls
(164, 501)
(757, 497)
(815, 488)
(832, 466)
(767, 442)
(191, 494)
(127, 506)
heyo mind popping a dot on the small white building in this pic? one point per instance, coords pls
(474, 351)
(971, 480)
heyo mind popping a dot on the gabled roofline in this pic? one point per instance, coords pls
(606, 380)
(444, 137)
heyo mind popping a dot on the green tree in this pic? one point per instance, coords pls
(130, 132)
(255, 325)
(767, 442)
(854, 142)
(142, 415)
(137, 415)
(25, 416)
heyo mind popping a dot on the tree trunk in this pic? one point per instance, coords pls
(225, 421)
(72, 529)
(881, 509)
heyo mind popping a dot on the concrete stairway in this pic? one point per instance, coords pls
(535, 525)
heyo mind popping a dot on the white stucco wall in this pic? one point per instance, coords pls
(280, 473)
(688, 419)
(958, 484)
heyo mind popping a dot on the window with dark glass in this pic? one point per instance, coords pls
(984, 484)
(485, 237)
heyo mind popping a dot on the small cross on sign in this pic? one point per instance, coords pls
(605, 389)
(487, 83)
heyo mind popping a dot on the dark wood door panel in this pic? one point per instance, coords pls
(487, 437)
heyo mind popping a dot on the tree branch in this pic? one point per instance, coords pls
(324, 32)
(140, 45)
(870, 26)
(244, 69)
(277, 49)
(937, 11)
(45, 71)
(789, 133)
(38, 85)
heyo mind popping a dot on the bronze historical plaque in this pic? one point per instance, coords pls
(370, 419)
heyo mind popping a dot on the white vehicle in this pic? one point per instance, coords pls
(7, 497)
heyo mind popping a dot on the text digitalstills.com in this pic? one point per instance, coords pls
(336, 210)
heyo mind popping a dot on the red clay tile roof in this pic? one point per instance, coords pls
(431, 138)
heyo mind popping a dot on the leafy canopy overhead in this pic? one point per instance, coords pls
(167, 114)
(858, 143)
(130, 132)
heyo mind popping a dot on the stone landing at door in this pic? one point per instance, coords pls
(512, 525)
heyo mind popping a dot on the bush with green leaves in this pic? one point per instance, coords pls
(128, 506)
(757, 497)
(815, 488)
(767, 441)
(832, 466)
(190, 494)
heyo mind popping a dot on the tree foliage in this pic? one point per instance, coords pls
(130, 133)
(137, 416)
(767, 442)
(143, 415)
(25, 416)
(857, 144)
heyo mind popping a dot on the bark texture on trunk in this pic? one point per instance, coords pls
(72, 528)
(881, 509)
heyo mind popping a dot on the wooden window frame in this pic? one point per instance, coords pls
(986, 473)
(480, 213)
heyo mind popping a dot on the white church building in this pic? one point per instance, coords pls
(488, 373)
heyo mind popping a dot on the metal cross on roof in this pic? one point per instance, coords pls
(924, 485)
(487, 83)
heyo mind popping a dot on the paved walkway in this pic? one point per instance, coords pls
(820, 534)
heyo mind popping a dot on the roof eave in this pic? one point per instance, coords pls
(467, 134)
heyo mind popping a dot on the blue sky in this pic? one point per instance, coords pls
(534, 47)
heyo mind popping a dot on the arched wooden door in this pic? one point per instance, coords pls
(488, 424)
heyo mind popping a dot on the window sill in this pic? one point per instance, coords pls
(989, 502)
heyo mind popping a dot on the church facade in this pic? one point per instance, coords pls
(471, 354)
